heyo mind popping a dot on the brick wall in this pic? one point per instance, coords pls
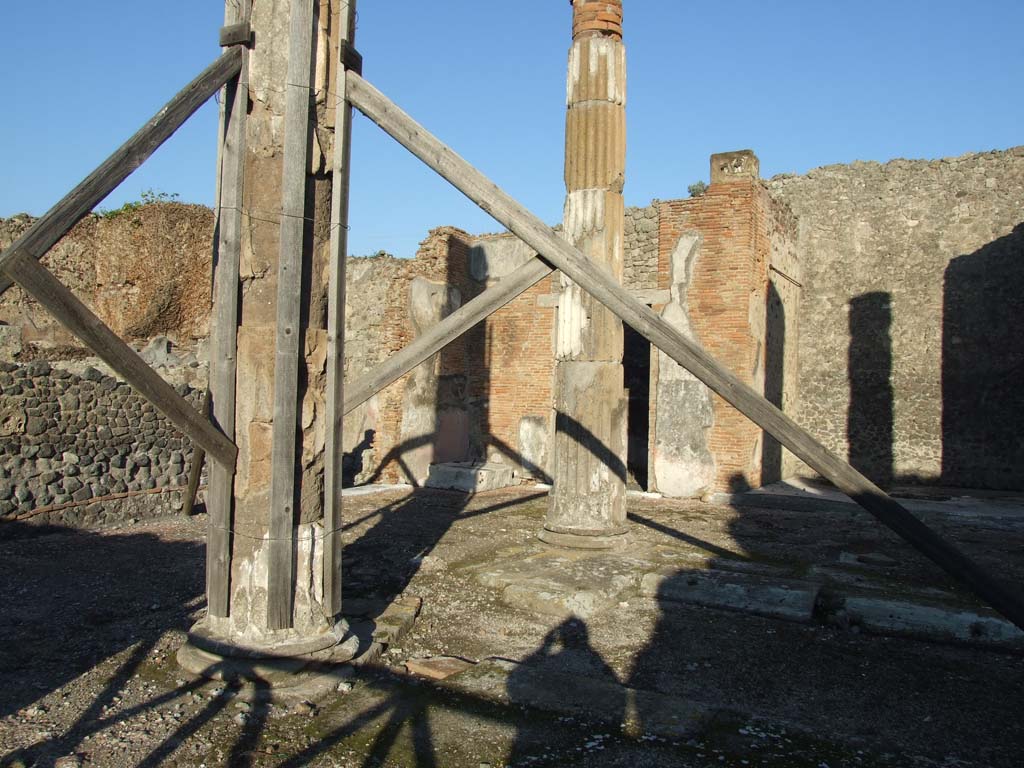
(741, 231)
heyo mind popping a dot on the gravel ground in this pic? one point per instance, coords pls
(91, 621)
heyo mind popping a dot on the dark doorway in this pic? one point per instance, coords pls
(636, 365)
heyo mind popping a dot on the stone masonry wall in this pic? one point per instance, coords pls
(72, 437)
(913, 290)
(640, 262)
(490, 393)
(143, 271)
(378, 323)
(78, 446)
(877, 303)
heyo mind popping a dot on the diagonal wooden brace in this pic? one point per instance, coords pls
(41, 285)
(602, 285)
(445, 332)
(55, 223)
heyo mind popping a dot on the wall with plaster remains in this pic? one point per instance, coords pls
(877, 303)
(727, 238)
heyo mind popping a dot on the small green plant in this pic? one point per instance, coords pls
(697, 189)
(146, 197)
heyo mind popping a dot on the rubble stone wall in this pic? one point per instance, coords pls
(913, 288)
(640, 262)
(78, 447)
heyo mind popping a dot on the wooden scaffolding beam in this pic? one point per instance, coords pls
(55, 223)
(19, 263)
(600, 284)
(227, 248)
(333, 448)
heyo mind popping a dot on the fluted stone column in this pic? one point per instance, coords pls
(587, 504)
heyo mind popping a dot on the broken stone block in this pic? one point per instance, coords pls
(469, 476)
(438, 667)
(777, 598)
(396, 621)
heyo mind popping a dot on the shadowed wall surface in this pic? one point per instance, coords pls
(942, 239)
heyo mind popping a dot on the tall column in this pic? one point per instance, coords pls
(587, 503)
(277, 601)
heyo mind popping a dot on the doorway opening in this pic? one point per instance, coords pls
(636, 375)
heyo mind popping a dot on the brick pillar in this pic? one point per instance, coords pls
(587, 504)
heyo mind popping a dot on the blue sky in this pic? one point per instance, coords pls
(803, 84)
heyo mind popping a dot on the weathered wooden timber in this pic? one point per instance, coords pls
(599, 283)
(224, 328)
(335, 396)
(289, 331)
(235, 34)
(55, 223)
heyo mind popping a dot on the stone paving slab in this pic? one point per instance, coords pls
(958, 506)
(933, 622)
(776, 598)
(563, 582)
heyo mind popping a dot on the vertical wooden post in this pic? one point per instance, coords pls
(289, 327)
(227, 251)
(333, 451)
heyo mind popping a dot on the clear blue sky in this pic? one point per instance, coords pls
(802, 83)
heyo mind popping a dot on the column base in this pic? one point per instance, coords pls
(308, 664)
(610, 540)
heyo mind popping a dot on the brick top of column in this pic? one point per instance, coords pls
(596, 18)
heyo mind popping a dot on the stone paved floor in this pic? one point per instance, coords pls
(90, 622)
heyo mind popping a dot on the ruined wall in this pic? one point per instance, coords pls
(910, 356)
(485, 396)
(144, 271)
(78, 446)
(434, 412)
(715, 255)
(877, 304)
(777, 227)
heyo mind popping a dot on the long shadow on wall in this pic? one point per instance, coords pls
(869, 420)
(983, 365)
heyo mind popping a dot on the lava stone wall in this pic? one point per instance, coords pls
(85, 449)
(910, 353)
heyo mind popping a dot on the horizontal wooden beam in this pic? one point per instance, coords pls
(603, 286)
(445, 332)
(55, 223)
(51, 293)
